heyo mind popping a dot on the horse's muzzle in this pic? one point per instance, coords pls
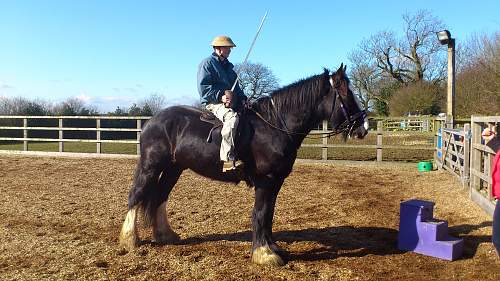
(360, 131)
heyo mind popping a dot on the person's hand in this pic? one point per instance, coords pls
(488, 134)
(227, 98)
(247, 103)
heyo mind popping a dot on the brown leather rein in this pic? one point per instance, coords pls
(347, 125)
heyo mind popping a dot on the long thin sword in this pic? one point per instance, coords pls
(250, 50)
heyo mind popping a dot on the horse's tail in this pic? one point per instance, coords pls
(149, 191)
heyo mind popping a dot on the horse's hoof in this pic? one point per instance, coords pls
(265, 256)
(166, 238)
(128, 234)
(128, 241)
(128, 244)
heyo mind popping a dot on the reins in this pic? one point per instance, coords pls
(321, 134)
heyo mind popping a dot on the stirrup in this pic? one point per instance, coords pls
(228, 166)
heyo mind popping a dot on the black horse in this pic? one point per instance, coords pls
(175, 139)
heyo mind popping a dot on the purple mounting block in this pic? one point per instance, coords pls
(421, 233)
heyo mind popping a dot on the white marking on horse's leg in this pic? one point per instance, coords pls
(265, 256)
(162, 232)
(128, 235)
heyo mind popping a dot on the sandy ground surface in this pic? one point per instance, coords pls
(60, 219)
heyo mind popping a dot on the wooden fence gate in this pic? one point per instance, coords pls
(463, 153)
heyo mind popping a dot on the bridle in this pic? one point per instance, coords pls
(347, 126)
(350, 120)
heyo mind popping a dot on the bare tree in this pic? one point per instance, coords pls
(12, 106)
(74, 106)
(23, 106)
(385, 62)
(478, 78)
(256, 80)
(420, 49)
(365, 77)
(153, 104)
(413, 57)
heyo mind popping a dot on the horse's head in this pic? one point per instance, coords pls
(346, 115)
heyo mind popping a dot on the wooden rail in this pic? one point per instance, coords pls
(462, 152)
(481, 163)
(421, 123)
(459, 151)
(61, 129)
(380, 130)
(454, 152)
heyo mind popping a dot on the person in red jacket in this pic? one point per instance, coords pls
(493, 141)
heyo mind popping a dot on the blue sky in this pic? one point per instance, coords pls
(114, 53)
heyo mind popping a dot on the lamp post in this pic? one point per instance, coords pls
(444, 38)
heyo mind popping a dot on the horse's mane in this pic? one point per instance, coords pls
(299, 96)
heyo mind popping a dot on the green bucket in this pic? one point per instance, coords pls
(424, 166)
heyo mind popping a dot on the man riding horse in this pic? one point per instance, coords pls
(215, 78)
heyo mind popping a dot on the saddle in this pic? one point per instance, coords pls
(209, 117)
(243, 130)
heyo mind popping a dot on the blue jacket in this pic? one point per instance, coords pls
(214, 78)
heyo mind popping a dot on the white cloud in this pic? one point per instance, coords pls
(125, 99)
(60, 81)
(135, 89)
(5, 86)
(84, 97)
(183, 100)
(109, 103)
(6, 90)
(131, 90)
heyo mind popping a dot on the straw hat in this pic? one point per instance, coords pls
(223, 41)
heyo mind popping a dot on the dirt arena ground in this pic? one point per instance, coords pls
(60, 219)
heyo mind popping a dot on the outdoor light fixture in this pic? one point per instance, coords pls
(444, 37)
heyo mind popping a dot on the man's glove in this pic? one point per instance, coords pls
(228, 98)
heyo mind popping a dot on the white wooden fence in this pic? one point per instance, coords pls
(61, 129)
(459, 151)
(384, 126)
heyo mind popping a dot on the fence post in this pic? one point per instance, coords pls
(444, 146)
(61, 135)
(475, 163)
(98, 136)
(488, 165)
(437, 143)
(139, 127)
(467, 147)
(380, 128)
(324, 139)
(425, 125)
(25, 134)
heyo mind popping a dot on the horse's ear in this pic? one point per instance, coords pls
(340, 70)
(345, 67)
